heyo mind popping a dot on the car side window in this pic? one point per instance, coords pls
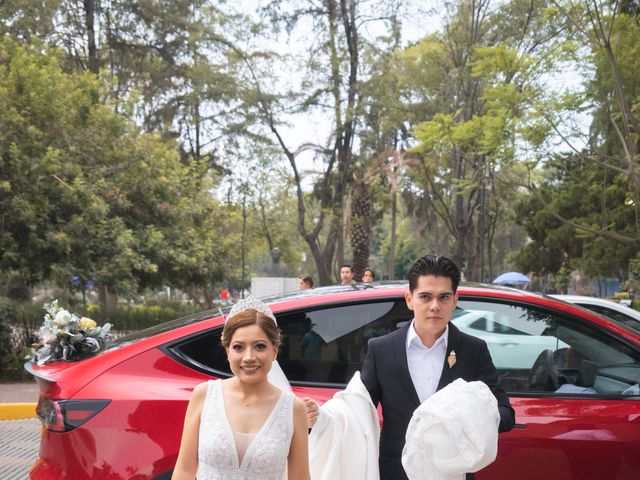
(328, 345)
(322, 346)
(537, 351)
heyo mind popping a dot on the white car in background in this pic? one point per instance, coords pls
(627, 316)
(513, 341)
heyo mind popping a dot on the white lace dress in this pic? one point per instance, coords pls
(266, 456)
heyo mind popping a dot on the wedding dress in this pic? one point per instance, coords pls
(265, 457)
(452, 432)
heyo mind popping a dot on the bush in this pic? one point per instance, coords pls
(620, 296)
(5, 346)
(23, 320)
(18, 323)
(130, 318)
(13, 366)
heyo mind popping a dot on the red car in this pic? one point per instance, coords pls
(572, 375)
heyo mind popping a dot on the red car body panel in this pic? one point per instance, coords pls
(566, 443)
(137, 435)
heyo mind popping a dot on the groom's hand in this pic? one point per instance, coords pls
(313, 411)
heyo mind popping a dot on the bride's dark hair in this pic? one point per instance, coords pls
(247, 318)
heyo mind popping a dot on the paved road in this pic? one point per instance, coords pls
(19, 442)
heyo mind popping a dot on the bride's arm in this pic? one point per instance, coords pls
(187, 463)
(298, 460)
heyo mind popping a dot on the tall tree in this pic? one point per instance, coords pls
(85, 193)
(331, 88)
(168, 62)
(598, 229)
(382, 139)
(474, 83)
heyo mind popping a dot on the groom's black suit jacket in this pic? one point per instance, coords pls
(385, 373)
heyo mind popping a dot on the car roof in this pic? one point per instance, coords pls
(359, 291)
(388, 286)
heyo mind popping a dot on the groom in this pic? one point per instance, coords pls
(405, 367)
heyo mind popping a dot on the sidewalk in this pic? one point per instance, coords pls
(19, 429)
(23, 392)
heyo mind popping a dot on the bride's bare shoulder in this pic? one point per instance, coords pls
(200, 391)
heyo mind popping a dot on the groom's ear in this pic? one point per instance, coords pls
(408, 298)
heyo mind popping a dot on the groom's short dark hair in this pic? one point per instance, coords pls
(437, 266)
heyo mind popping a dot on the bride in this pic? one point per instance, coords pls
(244, 426)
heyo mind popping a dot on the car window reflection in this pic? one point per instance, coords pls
(536, 351)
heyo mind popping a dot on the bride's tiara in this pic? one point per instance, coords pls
(252, 303)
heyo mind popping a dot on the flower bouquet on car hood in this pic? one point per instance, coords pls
(65, 336)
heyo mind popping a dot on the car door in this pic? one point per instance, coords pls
(577, 404)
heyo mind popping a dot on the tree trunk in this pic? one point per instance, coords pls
(92, 50)
(108, 298)
(360, 227)
(343, 87)
(392, 246)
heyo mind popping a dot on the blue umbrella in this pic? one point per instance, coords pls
(510, 278)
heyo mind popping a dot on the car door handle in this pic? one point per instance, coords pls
(520, 426)
(508, 344)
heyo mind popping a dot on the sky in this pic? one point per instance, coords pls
(420, 19)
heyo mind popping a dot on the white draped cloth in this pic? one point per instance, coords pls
(277, 378)
(453, 432)
(343, 444)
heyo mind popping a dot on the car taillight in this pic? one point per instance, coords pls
(65, 415)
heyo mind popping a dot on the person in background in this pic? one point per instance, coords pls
(368, 275)
(306, 282)
(312, 344)
(346, 274)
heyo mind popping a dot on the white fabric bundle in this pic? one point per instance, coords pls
(343, 444)
(453, 432)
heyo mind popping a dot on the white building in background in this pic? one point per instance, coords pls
(267, 286)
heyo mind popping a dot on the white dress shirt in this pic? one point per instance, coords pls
(425, 364)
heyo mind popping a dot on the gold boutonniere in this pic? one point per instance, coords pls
(451, 359)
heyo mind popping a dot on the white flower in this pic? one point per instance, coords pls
(62, 318)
